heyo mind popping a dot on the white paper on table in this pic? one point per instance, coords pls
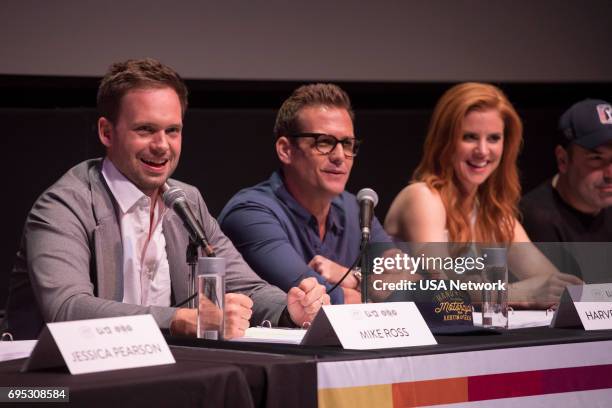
(519, 319)
(13, 350)
(272, 335)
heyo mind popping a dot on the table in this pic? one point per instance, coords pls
(275, 380)
(187, 383)
(526, 367)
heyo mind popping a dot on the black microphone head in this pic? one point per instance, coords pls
(172, 195)
(367, 194)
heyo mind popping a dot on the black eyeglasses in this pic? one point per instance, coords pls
(325, 143)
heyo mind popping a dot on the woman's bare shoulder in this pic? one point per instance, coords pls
(420, 194)
(416, 208)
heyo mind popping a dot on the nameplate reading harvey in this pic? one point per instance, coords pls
(587, 305)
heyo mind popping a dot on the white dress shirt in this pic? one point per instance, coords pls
(146, 274)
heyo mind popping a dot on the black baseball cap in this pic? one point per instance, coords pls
(587, 123)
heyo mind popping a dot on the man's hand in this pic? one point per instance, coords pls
(541, 292)
(333, 272)
(237, 314)
(351, 295)
(184, 322)
(305, 300)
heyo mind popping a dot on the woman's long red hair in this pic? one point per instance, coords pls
(498, 196)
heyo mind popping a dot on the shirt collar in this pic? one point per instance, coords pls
(124, 191)
(335, 218)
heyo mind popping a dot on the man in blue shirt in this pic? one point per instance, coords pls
(301, 222)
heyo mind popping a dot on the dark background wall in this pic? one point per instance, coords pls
(383, 40)
(241, 59)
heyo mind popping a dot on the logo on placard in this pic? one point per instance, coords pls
(602, 293)
(86, 332)
(357, 315)
(605, 114)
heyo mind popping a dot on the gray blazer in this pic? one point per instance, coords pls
(69, 265)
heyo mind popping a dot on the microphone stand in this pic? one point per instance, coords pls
(192, 261)
(176, 199)
(364, 270)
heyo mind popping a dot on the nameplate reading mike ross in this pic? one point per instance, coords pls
(386, 332)
(379, 325)
(89, 346)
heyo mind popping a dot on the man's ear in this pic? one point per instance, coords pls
(283, 149)
(105, 131)
(562, 159)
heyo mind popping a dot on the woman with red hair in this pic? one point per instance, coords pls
(466, 187)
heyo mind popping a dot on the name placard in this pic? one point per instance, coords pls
(595, 315)
(90, 346)
(370, 326)
(589, 306)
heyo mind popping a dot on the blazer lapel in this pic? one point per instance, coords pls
(109, 260)
(107, 239)
(176, 250)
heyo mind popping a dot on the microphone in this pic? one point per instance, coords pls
(367, 199)
(176, 199)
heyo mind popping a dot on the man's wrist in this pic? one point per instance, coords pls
(285, 319)
(176, 324)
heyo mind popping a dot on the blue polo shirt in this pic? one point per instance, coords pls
(278, 237)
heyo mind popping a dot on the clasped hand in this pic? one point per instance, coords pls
(303, 303)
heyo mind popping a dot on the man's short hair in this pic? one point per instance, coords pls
(305, 96)
(125, 76)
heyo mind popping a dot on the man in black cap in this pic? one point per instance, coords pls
(574, 206)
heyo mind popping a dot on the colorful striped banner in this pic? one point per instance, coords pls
(469, 389)
(407, 382)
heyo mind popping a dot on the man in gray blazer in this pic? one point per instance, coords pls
(100, 242)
